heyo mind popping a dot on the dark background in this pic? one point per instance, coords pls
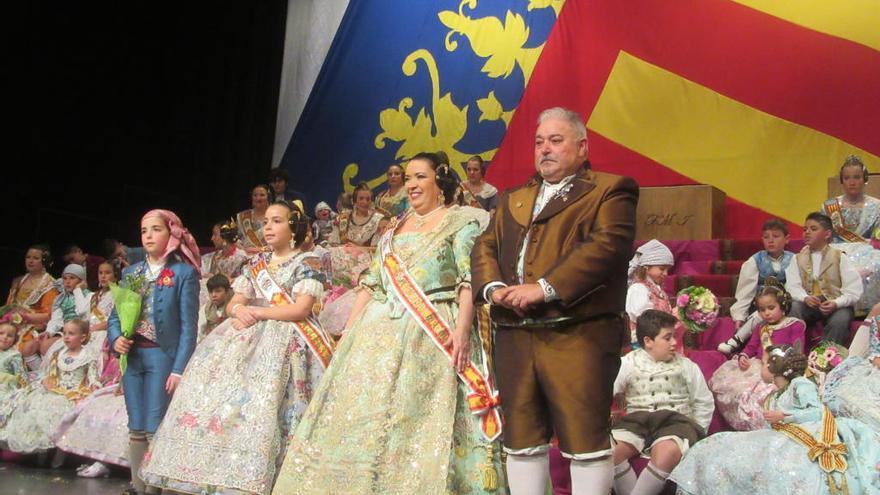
(120, 108)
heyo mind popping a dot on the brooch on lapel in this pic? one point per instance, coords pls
(166, 278)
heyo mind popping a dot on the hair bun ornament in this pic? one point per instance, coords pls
(443, 168)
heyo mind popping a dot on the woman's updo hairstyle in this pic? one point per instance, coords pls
(45, 254)
(228, 231)
(446, 180)
(300, 224)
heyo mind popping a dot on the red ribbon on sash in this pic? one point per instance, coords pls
(312, 333)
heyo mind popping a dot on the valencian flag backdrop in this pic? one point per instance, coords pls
(761, 99)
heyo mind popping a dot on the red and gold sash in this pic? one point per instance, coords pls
(246, 221)
(826, 451)
(308, 329)
(832, 207)
(482, 397)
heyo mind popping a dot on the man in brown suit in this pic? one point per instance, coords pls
(553, 264)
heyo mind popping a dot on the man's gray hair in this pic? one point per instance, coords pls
(570, 116)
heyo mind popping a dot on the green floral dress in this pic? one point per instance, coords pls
(390, 416)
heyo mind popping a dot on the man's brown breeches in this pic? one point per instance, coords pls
(559, 380)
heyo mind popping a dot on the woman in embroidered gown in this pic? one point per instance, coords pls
(856, 220)
(33, 294)
(852, 389)
(737, 385)
(390, 416)
(771, 461)
(250, 222)
(250, 380)
(70, 374)
(477, 192)
(359, 233)
(393, 201)
(228, 258)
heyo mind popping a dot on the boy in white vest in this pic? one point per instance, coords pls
(823, 284)
(668, 406)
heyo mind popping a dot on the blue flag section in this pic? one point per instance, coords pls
(406, 76)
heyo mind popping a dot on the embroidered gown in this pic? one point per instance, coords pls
(242, 392)
(852, 388)
(13, 377)
(392, 204)
(740, 395)
(864, 221)
(97, 428)
(40, 410)
(769, 461)
(390, 416)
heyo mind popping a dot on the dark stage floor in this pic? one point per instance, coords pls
(27, 479)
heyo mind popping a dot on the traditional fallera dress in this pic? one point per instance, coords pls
(38, 299)
(13, 379)
(852, 388)
(777, 460)
(391, 416)
(486, 197)
(243, 391)
(854, 227)
(392, 204)
(40, 410)
(740, 395)
(250, 229)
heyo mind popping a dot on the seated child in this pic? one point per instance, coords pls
(647, 271)
(737, 385)
(70, 374)
(13, 375)
(782, 459)
(852, 389)
(668, 406)
(823, 284)
(771, 262)
(219, 294)
(72, 303)
(326, 231)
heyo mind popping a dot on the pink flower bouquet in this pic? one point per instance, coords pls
(697, 308)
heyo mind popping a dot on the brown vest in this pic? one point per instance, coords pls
(828, 277)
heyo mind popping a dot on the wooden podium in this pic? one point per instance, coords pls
(680, 212)
(872, 188)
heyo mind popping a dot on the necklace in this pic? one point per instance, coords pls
(420, 220)
(355, 214)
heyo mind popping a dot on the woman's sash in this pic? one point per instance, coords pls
(246, 221)
(482, 398)
(832, 207)
(310, 331)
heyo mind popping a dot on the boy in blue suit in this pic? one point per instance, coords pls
(165, 334)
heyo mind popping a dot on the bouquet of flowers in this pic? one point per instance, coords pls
(823, 358)
(11, 313)
(697, 308)
(127, 299)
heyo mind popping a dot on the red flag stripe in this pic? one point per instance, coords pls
(755, 58)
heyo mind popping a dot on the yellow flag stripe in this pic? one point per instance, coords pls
(853, 20)
(764, 161)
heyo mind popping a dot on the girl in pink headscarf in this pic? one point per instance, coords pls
(165, 335)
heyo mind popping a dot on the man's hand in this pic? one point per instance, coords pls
(828, 307)
(812, 301)
(519, 298)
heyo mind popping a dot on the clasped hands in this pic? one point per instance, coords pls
(244, 316)
(518, 298)
(825, 307)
